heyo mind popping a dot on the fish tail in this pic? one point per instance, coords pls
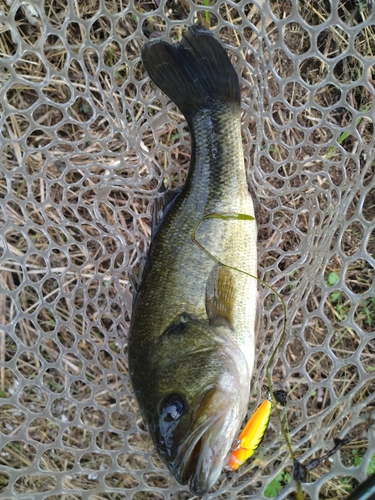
(194, 72)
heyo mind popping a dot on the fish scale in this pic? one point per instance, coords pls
(233, 242)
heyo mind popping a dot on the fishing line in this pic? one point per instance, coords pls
(238, 216)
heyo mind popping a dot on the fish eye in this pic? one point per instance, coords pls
(172, 408)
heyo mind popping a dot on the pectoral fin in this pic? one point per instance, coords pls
(220, 295)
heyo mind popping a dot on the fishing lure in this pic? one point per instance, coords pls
(253, 433)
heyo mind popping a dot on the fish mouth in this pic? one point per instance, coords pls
(202, 454)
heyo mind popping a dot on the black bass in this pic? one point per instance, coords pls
(191, 340)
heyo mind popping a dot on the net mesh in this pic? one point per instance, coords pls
(86, 143)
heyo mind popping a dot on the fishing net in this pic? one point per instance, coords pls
(86, 142)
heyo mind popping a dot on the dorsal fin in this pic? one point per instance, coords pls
(161, 206)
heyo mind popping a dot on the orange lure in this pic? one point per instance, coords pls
(253, 433)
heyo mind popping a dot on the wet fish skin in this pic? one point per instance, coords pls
(191, 340)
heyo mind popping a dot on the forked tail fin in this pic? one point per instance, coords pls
(194, 72)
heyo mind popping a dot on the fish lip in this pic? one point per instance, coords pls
(211, 458)
(201, 455)
(183, 462)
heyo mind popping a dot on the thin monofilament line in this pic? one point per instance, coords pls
(85, 141)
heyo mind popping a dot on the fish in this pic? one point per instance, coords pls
(192, 331)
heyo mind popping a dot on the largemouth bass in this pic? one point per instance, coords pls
(191, 341)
